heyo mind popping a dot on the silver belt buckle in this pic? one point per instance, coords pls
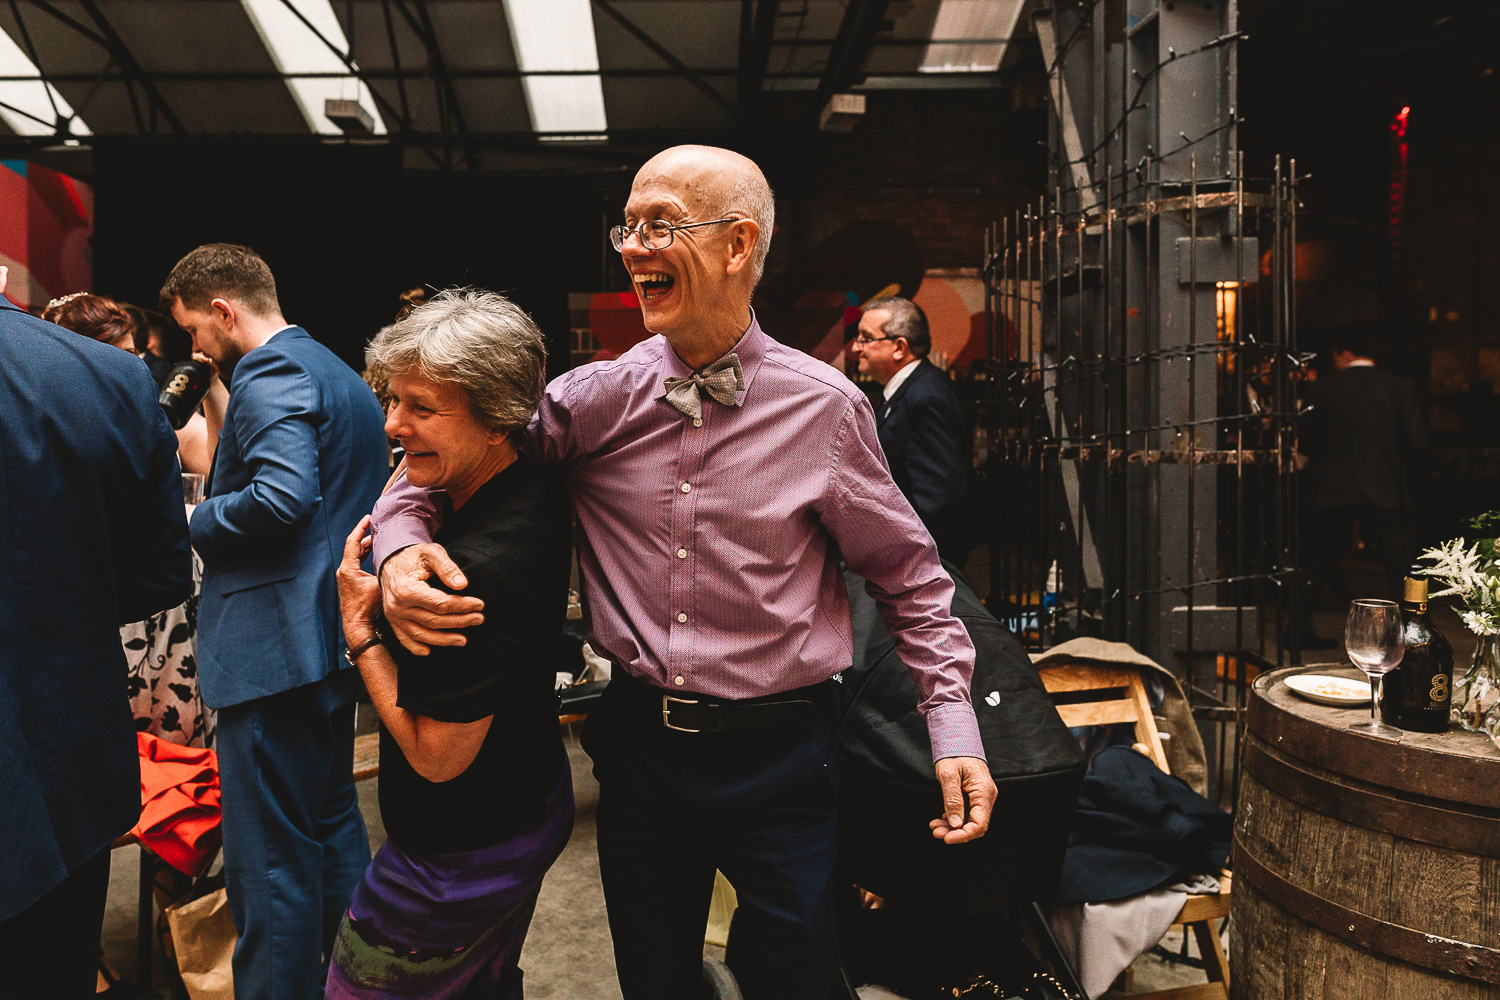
(666, 712)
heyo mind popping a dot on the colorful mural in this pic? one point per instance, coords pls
(46, 224)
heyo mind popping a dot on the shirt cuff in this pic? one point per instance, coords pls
(954, 731)
(392, 538)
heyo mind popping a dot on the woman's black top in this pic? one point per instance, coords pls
(513, 541)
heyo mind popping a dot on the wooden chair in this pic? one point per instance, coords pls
(1106, 695)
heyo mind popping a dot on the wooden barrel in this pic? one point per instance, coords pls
(1364, 868)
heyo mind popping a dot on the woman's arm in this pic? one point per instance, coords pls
(438, 751)
(193, 451)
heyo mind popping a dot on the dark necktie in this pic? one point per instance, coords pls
(721, 380)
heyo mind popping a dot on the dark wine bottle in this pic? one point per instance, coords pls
(182, 390)
(1417, 693)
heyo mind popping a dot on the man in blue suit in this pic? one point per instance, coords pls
(919, 421)
(301, 458)
(94, 537)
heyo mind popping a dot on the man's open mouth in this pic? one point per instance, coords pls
(653, 286)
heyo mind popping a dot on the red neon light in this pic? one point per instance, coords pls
(1398, 123)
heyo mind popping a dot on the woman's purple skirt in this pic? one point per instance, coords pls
(435, 925)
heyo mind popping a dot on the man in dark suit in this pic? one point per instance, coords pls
(1365, 437)
(301, 458)
(91, 504)
(920, 421)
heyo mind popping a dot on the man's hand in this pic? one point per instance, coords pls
(422, 616)
(964, 780)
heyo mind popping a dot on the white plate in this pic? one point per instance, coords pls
(1327, 689)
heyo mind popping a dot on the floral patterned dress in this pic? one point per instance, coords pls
(162, 654)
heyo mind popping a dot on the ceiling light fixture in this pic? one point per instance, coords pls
(552, 36)
(296, 48)
(970, 36)
(27, 105)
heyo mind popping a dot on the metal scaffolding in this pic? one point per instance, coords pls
(1141, 419)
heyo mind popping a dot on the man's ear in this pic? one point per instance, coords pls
(743, 236)
(903, 349)
(225, 310)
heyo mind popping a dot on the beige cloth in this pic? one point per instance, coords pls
(1184, 749)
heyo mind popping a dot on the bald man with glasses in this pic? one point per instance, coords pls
(718, 476)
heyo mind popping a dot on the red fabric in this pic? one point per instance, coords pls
(179, 803)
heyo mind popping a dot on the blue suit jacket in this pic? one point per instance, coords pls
(92, 536)
(302, 457)
(922, 433)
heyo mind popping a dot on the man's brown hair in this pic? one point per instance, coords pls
(222, 270)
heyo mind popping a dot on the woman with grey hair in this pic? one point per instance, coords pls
(475, 789)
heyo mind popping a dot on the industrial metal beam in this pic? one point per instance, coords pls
(450, 112)
(862, 21)
(390, 36)
(755, 50)
(127, 61)
(681, 68)
(106, 38)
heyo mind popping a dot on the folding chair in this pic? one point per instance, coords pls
(1099, 696)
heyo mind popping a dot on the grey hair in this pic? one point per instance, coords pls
(478, 341)
(905, 319)
(751, 197)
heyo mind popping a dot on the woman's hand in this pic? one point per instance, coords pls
(359, 592)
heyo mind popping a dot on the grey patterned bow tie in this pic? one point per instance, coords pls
(721, 380)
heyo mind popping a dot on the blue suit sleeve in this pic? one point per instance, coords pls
(158, 574)
(274, 413)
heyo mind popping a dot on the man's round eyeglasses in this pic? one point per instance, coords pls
(655, 235)
(862, 340)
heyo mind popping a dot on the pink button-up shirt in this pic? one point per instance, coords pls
(710, 560)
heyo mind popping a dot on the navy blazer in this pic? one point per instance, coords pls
(1366, 438)
(302, 457)
(921, 430)
(93, 537)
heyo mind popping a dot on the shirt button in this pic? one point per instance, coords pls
(678, 680)
(697, 421)
(682, 553)
(681, 617)
(687, 488)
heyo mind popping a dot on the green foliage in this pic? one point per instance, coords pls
(1487, 527)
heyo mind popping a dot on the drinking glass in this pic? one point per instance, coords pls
(1375, 644)
(192, 488)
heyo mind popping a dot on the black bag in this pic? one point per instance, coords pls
(888, 792)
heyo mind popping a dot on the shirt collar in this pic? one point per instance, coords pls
(900, 377)
(273, 333)
(750, 349)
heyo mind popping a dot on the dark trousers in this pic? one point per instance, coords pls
(758, 806)
(1329, 532)
(294, 839)
(50, 950)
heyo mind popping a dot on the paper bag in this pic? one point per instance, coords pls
(203, 935)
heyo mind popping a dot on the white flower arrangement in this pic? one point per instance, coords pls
(1472, 574)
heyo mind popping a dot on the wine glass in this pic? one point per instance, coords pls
(1375, 644)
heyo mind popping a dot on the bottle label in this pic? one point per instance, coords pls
(1440, 692)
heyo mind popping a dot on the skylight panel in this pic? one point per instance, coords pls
(295, 48)
(552, 36)
(27, 105)
(969, 36)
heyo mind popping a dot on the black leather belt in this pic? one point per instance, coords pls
(699, 713)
